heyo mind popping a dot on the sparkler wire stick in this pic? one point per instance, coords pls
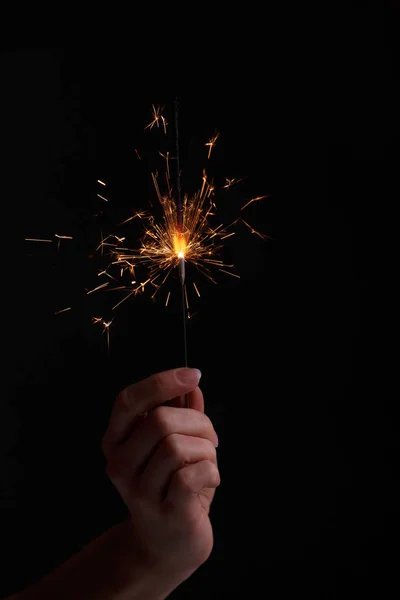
(180, 226)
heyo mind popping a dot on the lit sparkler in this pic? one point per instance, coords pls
(182, 235)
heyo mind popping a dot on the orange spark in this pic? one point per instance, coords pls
(211, 143)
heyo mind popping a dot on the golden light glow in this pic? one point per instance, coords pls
(179, 245)
(174, 232)
(165, 242)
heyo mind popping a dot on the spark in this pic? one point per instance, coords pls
(229, 273)
(211, 143)
(261, 235)
(231, 182)
(104, 272)
(228, 235)
(175, 235)
(186, 298)
(255, 200)
(138, 215)
(99, 287)
(181, 234)
(157, 117)
(167, 241)
(166, 156)
(106, 328)
(63, 310)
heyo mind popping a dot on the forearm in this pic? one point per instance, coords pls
(109, 568)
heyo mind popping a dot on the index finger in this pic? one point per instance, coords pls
(141, 397)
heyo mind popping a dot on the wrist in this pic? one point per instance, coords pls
(148, 578)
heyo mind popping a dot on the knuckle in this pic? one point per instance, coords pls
(212, 473)
(215, 474)
(160, 419)
(172, 445)
(185, 479)
(173, 448)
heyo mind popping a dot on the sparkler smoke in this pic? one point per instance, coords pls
(182, 240)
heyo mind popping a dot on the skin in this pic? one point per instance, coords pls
(163, 462)
(161, 457)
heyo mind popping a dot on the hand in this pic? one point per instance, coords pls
(162, 460)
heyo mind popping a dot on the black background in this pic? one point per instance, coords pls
(294, 370)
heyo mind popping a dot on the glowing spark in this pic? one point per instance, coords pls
(139, 215)
(182, 234)
(106, 327)
(261, 235)
(228, 235)
(99, 287)
(63, 310)
(231, 182)
(105, 273)
(157, 117)
(166, 156)
(186, 298)
(123, 299)
(62, 237)
(179, 235)
(255, 200)
(229, 273)
(211, 143)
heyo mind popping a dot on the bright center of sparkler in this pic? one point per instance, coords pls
(179, 245)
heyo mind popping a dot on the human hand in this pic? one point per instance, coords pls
(162, 460)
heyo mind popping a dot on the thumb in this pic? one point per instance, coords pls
(196, 400)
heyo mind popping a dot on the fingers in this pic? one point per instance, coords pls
(141, 397)
(161, 423)
(196, 400)
(171, 455)
(188, 482)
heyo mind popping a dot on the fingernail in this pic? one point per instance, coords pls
(217, 442)
(186, 375)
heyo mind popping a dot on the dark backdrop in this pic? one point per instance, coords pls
(289, 353)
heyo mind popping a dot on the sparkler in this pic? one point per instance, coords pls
(179, 241)
(182, 238)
